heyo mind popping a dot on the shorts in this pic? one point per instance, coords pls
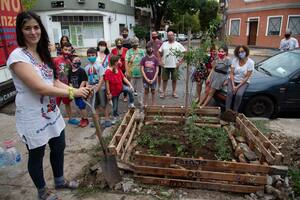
(80, 103)
(97, 99)
(151, 86)
(65, 100)
(166, 74)
(102, 97)
(159, 70)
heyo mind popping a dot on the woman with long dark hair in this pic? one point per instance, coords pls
(64, 40)
(38, 119)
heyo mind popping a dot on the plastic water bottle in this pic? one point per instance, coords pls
(13, 156)
(3, 158)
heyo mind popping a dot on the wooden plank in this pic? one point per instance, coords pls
(231, 137)
(129, 151)
(161, 122)
(208, 125)
(258, 133)
(128, 128)
(129, 140)
(256, 141)
(199, 174)
(199, 184)
(181, 110)
(211, 120)
(119, 130)
(207, 165)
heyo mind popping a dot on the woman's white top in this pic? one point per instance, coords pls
(38, 119)
(241, 71)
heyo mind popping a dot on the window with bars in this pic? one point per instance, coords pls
(274, 25)
(235, 27)
(294, 24)
(77, 19)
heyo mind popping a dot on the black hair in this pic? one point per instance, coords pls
(43, 44)
(74, 56)
(225, 48)
(61, 39)
(103, 43)
(91, 50)
(236, 50)
(66, 45)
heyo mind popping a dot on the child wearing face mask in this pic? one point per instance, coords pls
(95, 72)
(218, 74)
(78, 79)
(149, 69)
(63, 68)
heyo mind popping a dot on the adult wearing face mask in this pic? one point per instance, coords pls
(103, 54)
(156, 43)
(288, 42)
(126, 39)
(240, 73)
(120, 51)
(133, 71)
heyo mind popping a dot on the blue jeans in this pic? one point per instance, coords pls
(115, 100)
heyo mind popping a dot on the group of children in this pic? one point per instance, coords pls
(108, 75)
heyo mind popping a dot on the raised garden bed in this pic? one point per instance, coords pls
(192, 148)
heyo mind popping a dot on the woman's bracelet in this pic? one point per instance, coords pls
(71, 93)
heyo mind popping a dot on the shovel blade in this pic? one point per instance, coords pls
(110, 170)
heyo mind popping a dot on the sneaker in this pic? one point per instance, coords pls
(73, 121)
(107, 123)
(114, 120)
(84, 123)
(131, 105)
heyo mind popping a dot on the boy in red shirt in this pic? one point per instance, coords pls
(63, 67)
(114, 85)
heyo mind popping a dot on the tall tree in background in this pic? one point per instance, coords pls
(208, 12)
(168, 9)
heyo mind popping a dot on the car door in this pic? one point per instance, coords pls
(292, 100)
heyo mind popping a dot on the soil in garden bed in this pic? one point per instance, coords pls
(180, 141)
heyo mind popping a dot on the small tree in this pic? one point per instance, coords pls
(28, 4)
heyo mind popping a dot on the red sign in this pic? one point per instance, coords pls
(9, 10)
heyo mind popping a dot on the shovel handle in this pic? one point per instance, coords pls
(96, 123)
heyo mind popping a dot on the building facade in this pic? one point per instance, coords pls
(262, 23)
(86, 22)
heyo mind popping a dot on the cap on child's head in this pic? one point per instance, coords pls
(91, 51)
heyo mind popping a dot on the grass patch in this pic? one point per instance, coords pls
(262, 125)
(294, 174)
(87, 191)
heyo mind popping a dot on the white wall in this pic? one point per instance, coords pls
(111, 30)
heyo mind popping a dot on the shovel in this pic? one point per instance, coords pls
(109, 163)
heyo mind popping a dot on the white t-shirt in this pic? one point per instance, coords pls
(168, 49)
(241, 71)
(289, 44)
(38, 119)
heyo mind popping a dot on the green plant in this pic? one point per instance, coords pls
(262, 125)
(140, 31)
(294, 174)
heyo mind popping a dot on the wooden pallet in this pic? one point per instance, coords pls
(258, 142)
(190, 172)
